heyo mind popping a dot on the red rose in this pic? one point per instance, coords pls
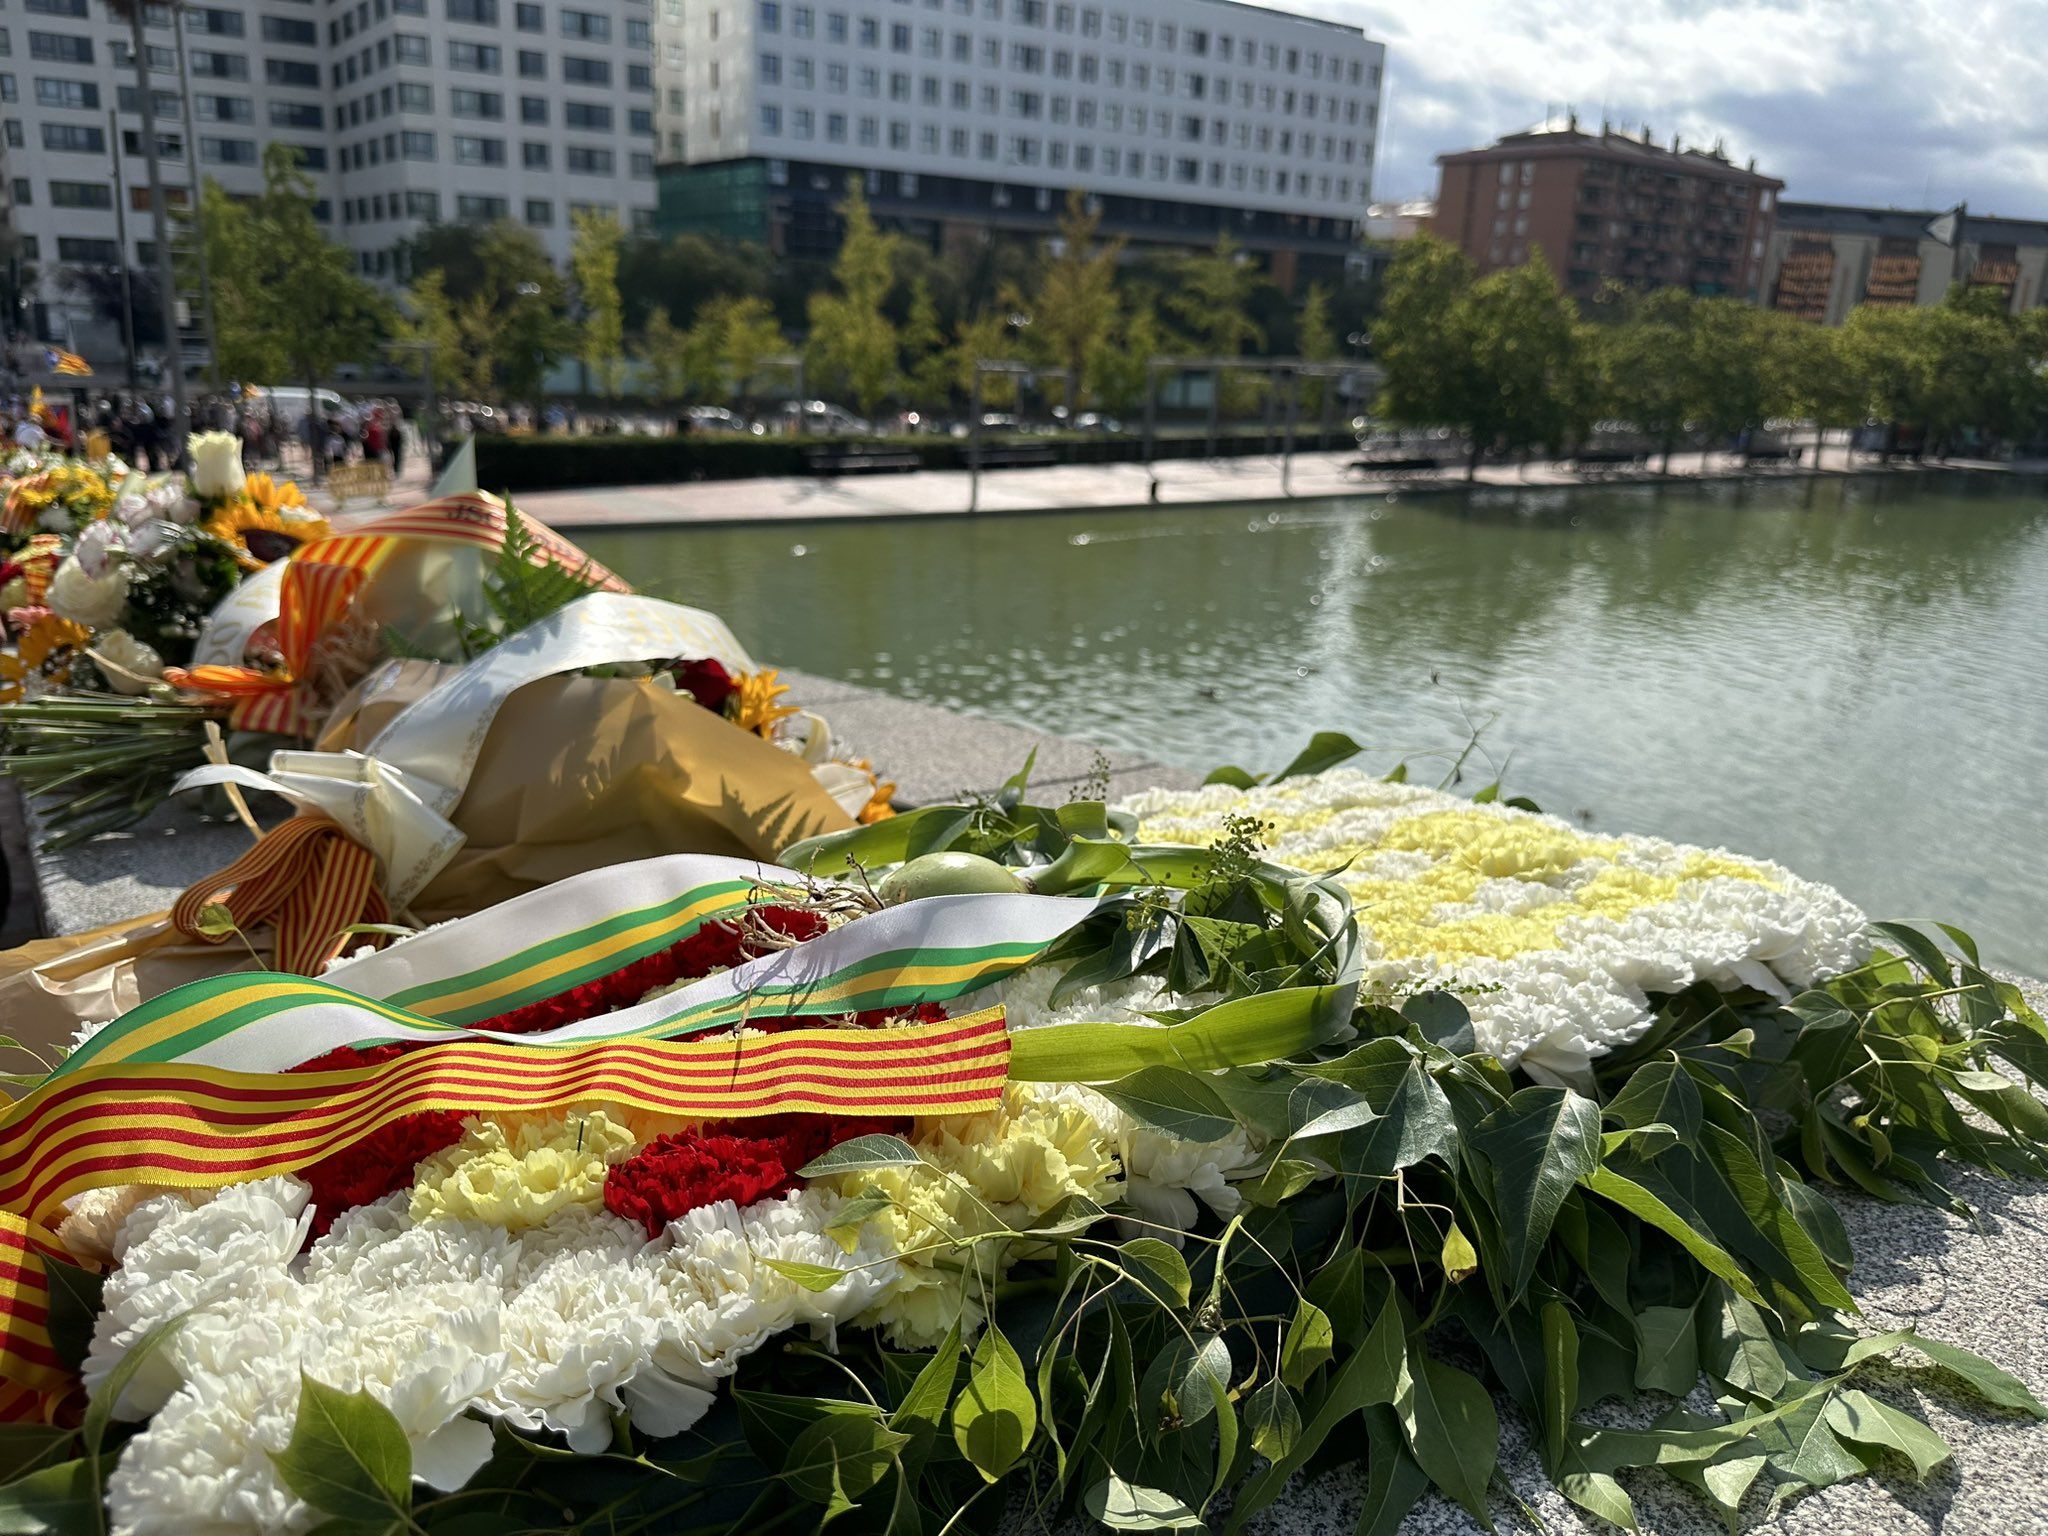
(706, 681)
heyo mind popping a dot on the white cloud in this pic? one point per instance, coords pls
(1908, 102)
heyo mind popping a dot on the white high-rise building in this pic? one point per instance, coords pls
(406, 113)
(1181, 117)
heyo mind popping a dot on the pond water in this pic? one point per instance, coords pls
(1850, 677)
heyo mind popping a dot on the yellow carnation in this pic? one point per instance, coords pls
(983, 1174)
(521, 1178)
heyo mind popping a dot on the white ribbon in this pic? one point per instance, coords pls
(395, 797)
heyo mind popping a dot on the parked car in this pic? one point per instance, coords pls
(713, 418)
(819, 418)
(289, 401)
(1095, 421)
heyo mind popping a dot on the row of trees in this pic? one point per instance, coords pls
(1510, 361)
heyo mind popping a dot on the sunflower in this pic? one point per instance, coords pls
(49, 635)
(753, 705)
(271, 495)
(259, 534)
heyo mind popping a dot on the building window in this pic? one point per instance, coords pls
(771, 69)
(228, 151)
(477, 58)
(214, 23)
(292, 72)
(472, 206)
(416, 146)
(296, 114)
(482, 104)
(74, 138)
(528, 17)
(533, 65)
(423, 205)
(771, 118)
(59, 48)
(533, 156)
(587, 26)
(770, 17)
(412, 49)
(587, 115)
(471, 150)
(289, 29)
(533, 109)
(540, 213)
(588, 161)
(586, 71)
(80, 95)
(77, 248)
(479, 13)
(78, 194)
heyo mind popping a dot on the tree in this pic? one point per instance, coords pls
(984, 338)
(430, 319)
(594, 262)
(685, 271)
(927, 362)
(1213, 296)
(727, 347)
(1073, 299)
(508, 299)
(853, 345)
(288, 300)
(1427, 380)
(1641, 367)
(1315, 341)
(1529, 384)
(662, 354)
(1120, 374)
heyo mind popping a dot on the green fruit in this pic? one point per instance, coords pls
(947, 874)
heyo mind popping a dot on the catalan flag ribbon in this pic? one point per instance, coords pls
(307, 877)
(68, 364)
(186, 1126)
(928, 951)
(321, 579)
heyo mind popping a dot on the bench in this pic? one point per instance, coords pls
(1592, 460)
(1018, 456)
(855, 461)
(1413, 464)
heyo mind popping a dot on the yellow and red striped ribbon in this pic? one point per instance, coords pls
(183, 1126)
(323, 578)
(306, 877)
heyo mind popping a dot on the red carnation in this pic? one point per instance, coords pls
(717, 944)
(381, 1162)
(740, 1161)
(706, 681)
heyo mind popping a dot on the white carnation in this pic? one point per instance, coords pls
(95, 602)
(132, 667)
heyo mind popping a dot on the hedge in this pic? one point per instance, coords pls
(558, 463)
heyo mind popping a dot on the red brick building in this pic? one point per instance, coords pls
(1609, 206)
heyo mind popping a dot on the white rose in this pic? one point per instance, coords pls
(216, 465)
(95, 602)
(138, 664)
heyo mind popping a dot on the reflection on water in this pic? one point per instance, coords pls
(1851, 678)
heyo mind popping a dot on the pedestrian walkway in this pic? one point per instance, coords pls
(952, 493)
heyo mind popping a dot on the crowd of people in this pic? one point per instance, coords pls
(139, 427)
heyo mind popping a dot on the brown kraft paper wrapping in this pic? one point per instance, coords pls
(576, 774)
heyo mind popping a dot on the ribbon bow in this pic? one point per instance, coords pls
(321, 580)
(307, 877)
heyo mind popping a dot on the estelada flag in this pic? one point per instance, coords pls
(69, 364)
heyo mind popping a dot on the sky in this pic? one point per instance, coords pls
(1898, 103)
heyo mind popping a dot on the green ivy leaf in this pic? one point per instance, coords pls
(1178, 1384)
(216, 921)
(1667, 1349)
(1540, 1144)
(1861, 1418)
(1453, 1430)
(1273, 1419)
(348, 1456)
(1123, 1506)
(841, 1457)
(1307, 1345)
(812, 1277)
(995, 1415)
(1157, 1267)
(861, 1154)
(1173, 1102)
